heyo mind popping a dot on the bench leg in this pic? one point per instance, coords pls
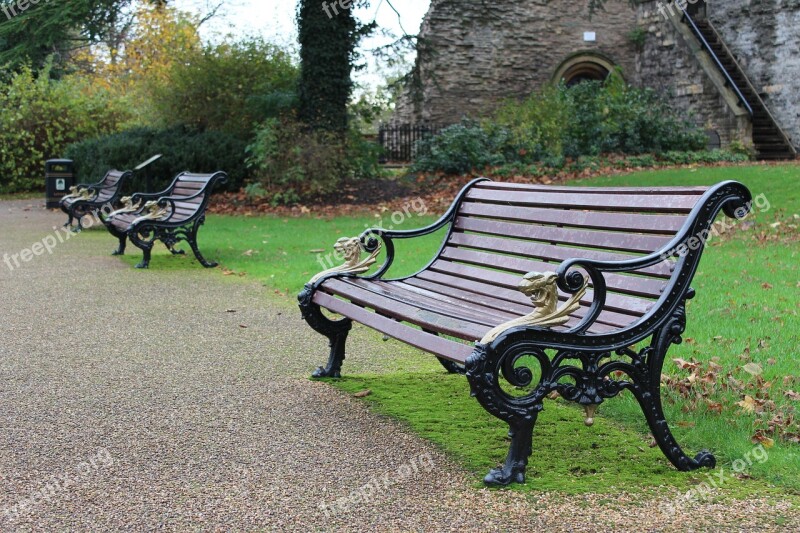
(335, 330)
(485, 368)
(650, 401)
(191, 237)
(121, 236)
(144, 239)
(513, 470)
(146, 253)
(123, 240)
(647, 390)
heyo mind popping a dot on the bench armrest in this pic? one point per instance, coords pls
(374, 240)
(687, 245)
(372, 234)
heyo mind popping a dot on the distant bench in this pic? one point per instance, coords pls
(88, 198)
(169, 216)
(584, 287)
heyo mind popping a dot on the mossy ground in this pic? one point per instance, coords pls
(746, 310)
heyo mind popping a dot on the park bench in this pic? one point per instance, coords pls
(538, 290)
(169, 216)
(85, 199)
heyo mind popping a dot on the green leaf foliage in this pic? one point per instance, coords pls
(328, 36)
(41, 117)
(228, 87)
(182, 148)
(589, 119)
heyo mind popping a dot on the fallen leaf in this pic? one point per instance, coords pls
(248, 253)
(753, 368)
(748, 404)
(363, 394)
(766, 286)
(760, 438)
(242, 326)
(685, 365)
(792, 395)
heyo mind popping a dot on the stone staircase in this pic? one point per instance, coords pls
(771, 143)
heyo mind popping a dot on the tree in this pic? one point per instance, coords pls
(328, 34)
(58, 29)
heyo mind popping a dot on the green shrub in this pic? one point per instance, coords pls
(598, 163)
(293, 163)
(461, 148)
(229, 87)
(41, 117)
(183, 149)
(586, 120)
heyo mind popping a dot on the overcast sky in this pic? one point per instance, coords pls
(275, 21)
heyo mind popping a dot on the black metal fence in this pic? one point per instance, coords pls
(399, 141)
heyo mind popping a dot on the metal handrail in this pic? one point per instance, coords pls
(708, 48)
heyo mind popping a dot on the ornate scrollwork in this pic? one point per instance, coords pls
(584, 376)
(351, 249)
(543, 292)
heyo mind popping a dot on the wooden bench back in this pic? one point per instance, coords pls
(110, 185)
(504, 230)
(191, 193)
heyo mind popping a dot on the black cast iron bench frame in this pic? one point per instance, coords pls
(582, 360)
(170, 216)
(90, 198)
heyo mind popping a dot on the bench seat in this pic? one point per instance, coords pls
(571, 277)
(170, 216)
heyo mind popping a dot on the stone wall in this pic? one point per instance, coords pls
(475, 53)
(482, 52)
(765, 37)
(667, 64)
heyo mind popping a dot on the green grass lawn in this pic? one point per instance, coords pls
(742, 348)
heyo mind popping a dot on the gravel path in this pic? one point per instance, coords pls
(134, 400)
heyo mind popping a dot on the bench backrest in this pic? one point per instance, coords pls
(191, 193)
(111, 184)
(504, 230)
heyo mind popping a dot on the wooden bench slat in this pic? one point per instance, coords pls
(658, 224)
(605, 240)
(184, 192)
(460, 328)
(638, 191)
(437, 303)
(454, 351)
(634, 285)
(666, 203)
(627, 305)
(516, 309)
(550, 253)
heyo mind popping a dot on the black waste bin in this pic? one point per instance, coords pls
(59, 175)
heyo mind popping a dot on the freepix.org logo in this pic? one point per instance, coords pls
(12, 9)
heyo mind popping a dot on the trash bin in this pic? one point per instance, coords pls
(59, 175)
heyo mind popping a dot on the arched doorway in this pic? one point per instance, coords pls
(583, 67)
